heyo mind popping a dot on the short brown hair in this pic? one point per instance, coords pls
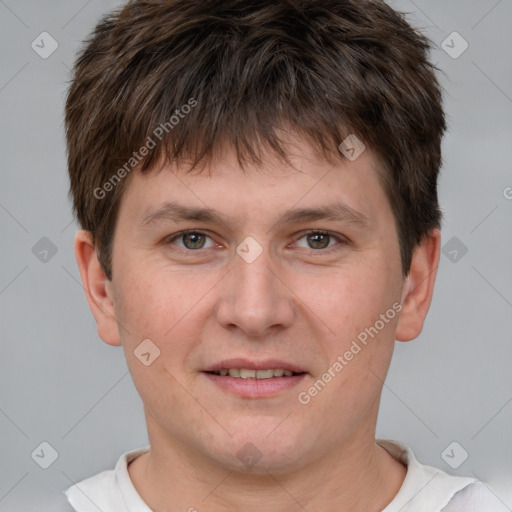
(324, 68)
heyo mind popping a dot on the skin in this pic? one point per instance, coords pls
(296, 302)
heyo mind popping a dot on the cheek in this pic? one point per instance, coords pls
(350, 309)
(157, 304)
(346, 300)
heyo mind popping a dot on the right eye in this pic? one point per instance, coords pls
(192, 240)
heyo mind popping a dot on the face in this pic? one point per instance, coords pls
(248, 286)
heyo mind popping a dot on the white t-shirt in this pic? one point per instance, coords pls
(425, 488)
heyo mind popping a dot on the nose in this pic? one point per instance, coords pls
(255, 297)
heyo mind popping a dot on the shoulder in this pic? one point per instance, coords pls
(96, 492)
(430, 489)
(476, 497)
(108, 491)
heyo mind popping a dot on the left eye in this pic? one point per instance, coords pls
(320, 239)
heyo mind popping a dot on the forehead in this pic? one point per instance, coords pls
(310, 187)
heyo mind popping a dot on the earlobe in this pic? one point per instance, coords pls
(419, 287)
(98, 289)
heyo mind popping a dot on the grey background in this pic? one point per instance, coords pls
(61, 384)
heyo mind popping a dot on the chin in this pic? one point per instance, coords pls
(258, 447)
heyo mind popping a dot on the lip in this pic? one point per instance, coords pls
(252, 364)
(255, 388)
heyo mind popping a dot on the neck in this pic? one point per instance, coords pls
(356, 476)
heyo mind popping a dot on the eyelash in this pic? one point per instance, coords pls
(341, 240)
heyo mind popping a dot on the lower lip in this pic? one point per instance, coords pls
(255, 388)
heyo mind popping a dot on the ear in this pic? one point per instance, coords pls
(419, 287)
(98, 289)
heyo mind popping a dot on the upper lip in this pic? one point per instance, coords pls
(252, 364)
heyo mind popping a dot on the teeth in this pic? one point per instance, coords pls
(245, 373)
(264, 374)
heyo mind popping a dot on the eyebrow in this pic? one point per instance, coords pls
(338, 211)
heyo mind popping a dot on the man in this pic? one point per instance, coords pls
(257, 187)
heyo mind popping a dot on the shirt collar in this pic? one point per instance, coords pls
(425, 488)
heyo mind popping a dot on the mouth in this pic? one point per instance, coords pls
(247, 373)
(253, 379)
